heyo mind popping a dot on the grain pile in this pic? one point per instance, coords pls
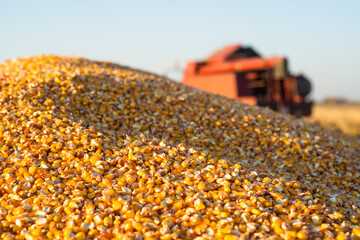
(94, 150)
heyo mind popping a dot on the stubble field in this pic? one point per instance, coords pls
(344, 117)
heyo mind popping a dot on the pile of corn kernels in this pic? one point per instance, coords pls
(95, 150)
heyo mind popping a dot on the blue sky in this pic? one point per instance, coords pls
(320, 38)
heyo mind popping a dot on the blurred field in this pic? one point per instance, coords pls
(344, 117)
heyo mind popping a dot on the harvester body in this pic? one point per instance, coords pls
(239, 72)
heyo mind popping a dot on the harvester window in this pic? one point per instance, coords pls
(242, 84)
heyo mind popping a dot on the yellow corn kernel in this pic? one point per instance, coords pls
(108, 221)
(356, 231)
(230, 237)
(33, 169)
(138, 226)
(80, 236)
(199, 205)
(302, 235)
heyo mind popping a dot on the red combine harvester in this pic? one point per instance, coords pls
(239, 72)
